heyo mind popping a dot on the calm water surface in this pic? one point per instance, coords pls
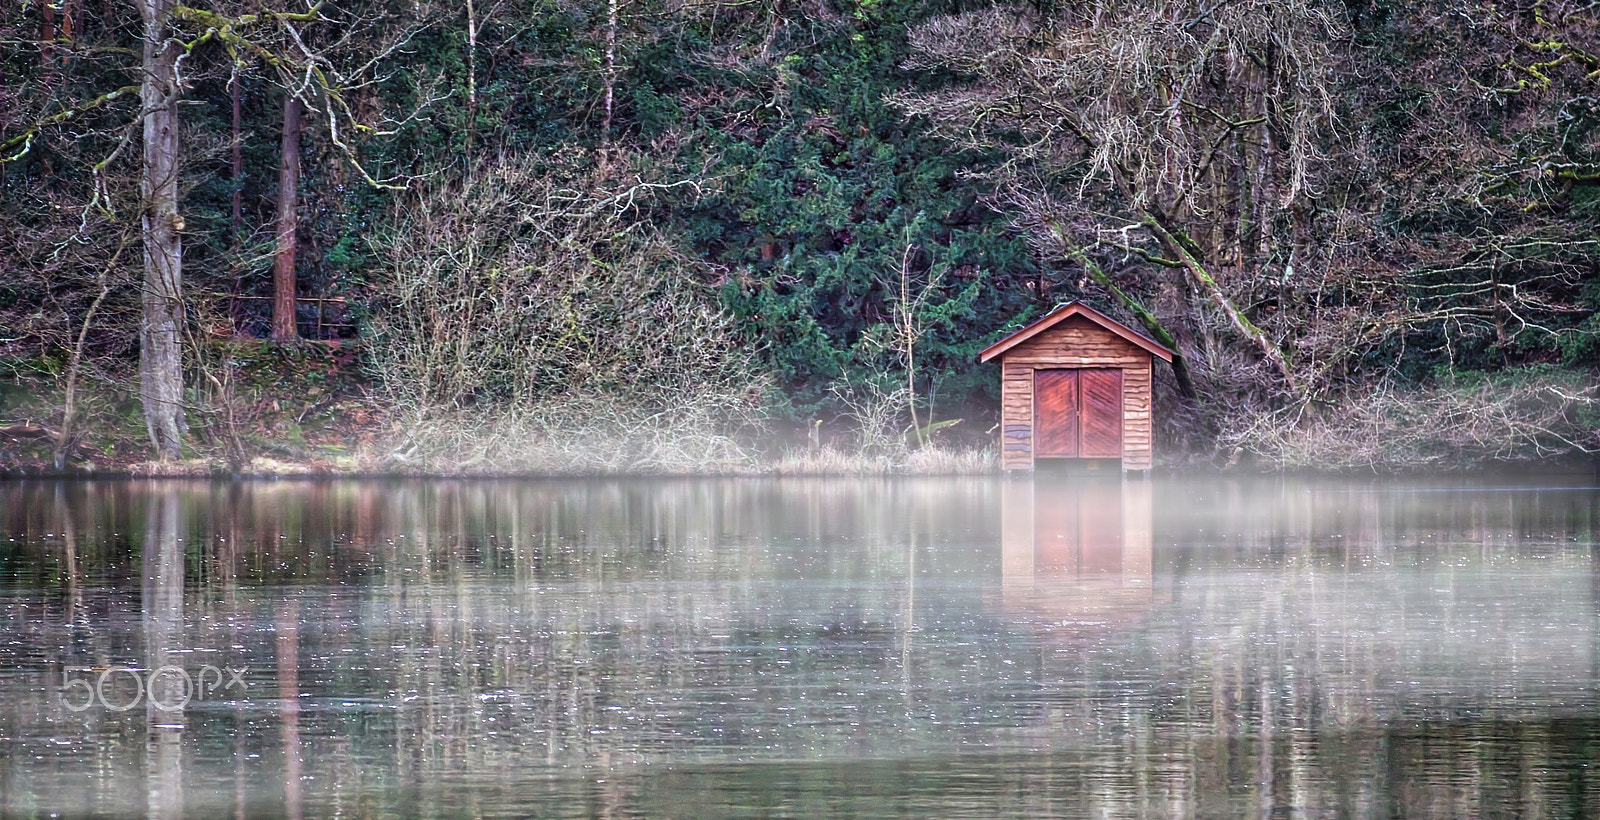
(799, 648)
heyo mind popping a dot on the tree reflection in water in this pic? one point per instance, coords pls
(165, 646)
(796, 648)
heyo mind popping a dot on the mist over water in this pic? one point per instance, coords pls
(976, 647)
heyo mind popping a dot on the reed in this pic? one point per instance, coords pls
(932, 459)
(578, 436)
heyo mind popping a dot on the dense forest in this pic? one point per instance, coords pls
(670, 235)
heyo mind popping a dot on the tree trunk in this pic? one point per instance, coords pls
(236, 206)
(47, 77)
(69, 17)
(472, 75)
(1184, 251)
(1158, 331)
(74, 363)
(610, 71)
(283, 289)
(160, 351)
(47, 32)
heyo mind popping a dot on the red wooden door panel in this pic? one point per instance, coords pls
(1100, 392)
(1077, 413)
(1055, 414)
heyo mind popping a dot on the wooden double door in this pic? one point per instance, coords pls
(1077, 413)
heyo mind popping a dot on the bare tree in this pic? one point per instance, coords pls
(66, 435)
(170, 34)
(161, 328)
(515, 283)
(1176, 131)
(535, 305)
(911, 289)
(1282, 206)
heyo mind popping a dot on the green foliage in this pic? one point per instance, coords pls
(819, 189)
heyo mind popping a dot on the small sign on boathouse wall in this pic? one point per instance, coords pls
(1076, 385)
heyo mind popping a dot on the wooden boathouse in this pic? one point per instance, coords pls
(1076, 385)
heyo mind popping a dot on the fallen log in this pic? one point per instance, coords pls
(29, 430)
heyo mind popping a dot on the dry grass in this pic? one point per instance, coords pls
(583, 436)
(828, 460)
(930, 460)
(943, 460)
(567, 441)
(881, 444)
(184, 468)
(1474, 419)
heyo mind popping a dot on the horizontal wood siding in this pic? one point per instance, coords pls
(1137, 449)
(1075, 343)
(1016, 414)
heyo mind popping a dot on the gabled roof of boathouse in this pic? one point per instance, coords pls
(1067, 311)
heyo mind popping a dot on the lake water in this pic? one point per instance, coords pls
(977, 648)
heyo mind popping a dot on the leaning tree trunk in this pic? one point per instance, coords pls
(160, 351)
(283, 286)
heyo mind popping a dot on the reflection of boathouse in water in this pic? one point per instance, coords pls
(1077, 551)
(1076, 385)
